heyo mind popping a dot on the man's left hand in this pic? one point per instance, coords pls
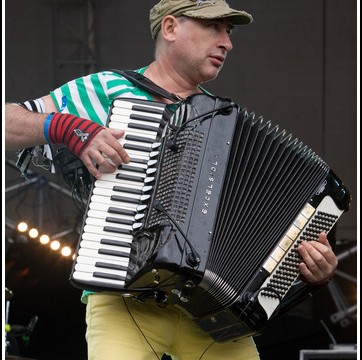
(318, 261)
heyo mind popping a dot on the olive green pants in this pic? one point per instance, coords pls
(119, 328)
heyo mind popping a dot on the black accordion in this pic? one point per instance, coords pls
(208, 214)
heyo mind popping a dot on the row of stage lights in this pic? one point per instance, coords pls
(44, 239)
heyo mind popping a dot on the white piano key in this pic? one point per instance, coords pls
(109, 184)
(94, 245)
(83, 276)
(102, 223)
(120, 229)
(113, 178)
(97, 238)
(145, 155)
(146, 133)
(152, 163)
(97, 230)
(151, 171)
(128, 113)
(105, 205)
(109, 192)
(145, 197)
(100, 257)
(147, 188)
(149, 179)
(126, 104)
(124, 121)
(137, 225)
(103, 214)
(119, 204)
(87, 260)
(130, 189)
(117, 110)
(91, 269)
(139, 216)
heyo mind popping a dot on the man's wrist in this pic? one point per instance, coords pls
(46, 127)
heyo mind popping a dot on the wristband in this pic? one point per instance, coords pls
(46, 127)
(72, 131)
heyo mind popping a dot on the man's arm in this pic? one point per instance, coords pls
(24, 128)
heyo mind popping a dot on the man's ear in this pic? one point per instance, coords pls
(168, 26)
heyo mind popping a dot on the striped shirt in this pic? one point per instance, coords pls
(90, 97)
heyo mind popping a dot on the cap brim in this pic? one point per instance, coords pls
(218, 12)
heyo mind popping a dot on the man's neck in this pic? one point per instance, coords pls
(170, 80)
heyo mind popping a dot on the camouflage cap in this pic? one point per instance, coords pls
(199, 9)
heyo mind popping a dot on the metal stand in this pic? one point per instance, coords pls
(345, 312)
(41, 182)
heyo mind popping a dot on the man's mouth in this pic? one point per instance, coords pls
(217, 60)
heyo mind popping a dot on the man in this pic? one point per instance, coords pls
(192, 41)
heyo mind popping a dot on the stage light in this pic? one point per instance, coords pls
(44, 239)
(33, 233)
(22, 226)
(55, 245)
(66, 251)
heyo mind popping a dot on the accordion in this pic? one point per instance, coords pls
(208, 214)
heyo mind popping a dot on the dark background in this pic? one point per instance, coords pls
(296, 65)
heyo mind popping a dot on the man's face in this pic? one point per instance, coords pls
(201, 46)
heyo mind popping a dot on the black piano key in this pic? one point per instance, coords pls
(144, 118)
(116, 243)
(131, 168)
(144, 127)
(121, 211)
(117, 230)
(147, 109)
(137, 138)
(124, 199)
(128, 146)
(129, 177)
(113, 253)
(99, 274)
(140, 161)
(128, 190)
(104, 265)
(119, 221)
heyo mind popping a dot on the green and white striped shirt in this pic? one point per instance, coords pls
(90, 96)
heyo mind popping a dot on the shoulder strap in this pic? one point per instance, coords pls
(146, 84)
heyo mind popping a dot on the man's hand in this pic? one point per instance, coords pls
(319, 261)
(105, 151)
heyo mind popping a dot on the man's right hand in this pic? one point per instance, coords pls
(105, 151)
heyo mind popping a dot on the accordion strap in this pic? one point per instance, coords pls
(145, 83)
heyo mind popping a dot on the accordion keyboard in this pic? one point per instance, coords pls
(118, 199)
